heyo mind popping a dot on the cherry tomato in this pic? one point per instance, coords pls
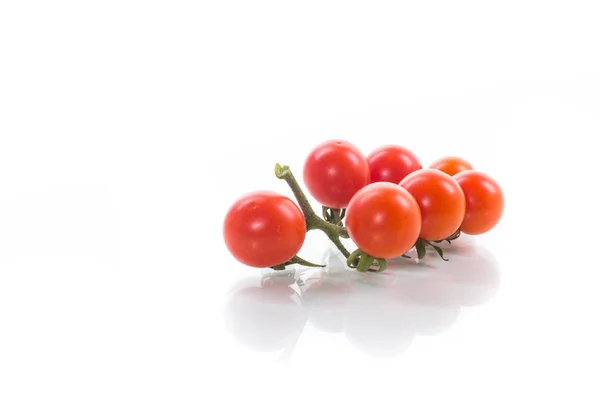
(451, 165)
(334, 171)
(440, 199)
(383, 219)
(392, 163)
(264, 229)
(485, 202)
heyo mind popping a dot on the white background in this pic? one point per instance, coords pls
(128, 127)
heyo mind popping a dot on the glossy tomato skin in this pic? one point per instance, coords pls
(451, 165)
(441, 201)
(264, 229)
(334, 171)
(485, 201)
(383, 220)
(392, 163)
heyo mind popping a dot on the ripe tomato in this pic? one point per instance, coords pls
(392, 163)
(451, 165)
(264, 229)
(383, 219)
(485, 201)
(440, 199)
(334, 171)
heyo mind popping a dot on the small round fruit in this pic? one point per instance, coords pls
(264, 229)
(383, 220)
(451, 165)
(392, 163)
(334, 171)
(441, 201)
(485, 202)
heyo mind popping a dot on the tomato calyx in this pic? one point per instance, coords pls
(296, 260)
(334, 216)
(450, 238)
(364, 262)
(334, 232)
(421, 246)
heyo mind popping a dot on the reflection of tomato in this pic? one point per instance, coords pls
(334, 171)
(264, 229)
(485, 201)
(432, 320)
(264, 318)
(429, 287)
(440, 199)
(325, 300)
(384, 220)
(451, 165)
(392, 163)
(381, 328)
(476, 274)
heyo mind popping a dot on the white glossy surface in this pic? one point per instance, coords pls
(128, 127)
(379, 314)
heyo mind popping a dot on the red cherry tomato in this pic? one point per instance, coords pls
(451, 165)
(334, 171)
(440, 199)
(392, 163)
(264, 229)
(383, 219)
(485, 201)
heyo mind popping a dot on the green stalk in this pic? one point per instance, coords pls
(313, 221)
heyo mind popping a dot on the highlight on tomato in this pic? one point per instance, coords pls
(484, 202)
(392, 163)
(383, 219)
(451, 165)
(264, 229)
(441, 201)
(334, 171)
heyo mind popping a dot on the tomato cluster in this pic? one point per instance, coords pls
(390, 204)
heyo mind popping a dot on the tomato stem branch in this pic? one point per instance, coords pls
(318, 223)
(333, 232)
(284, 172)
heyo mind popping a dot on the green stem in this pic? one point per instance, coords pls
(335, 238)
(333, 232)
(296, 260)
(284, 172)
